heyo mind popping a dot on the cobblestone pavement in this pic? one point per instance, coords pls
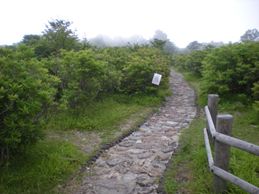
(136, 164)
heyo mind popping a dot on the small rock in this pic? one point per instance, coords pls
(139, 141)
(114, 161)
(168, 149)
(126, 143)
(161, 156)
(144, 180)
(172, 123)
(144, 155)
(136, 151)
(164, 138)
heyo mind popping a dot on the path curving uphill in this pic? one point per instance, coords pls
(136, 164)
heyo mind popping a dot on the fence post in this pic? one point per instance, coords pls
(222, 151)
(213, 100)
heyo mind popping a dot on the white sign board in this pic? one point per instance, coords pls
(156, 79)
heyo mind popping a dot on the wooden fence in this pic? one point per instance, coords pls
(218, 132)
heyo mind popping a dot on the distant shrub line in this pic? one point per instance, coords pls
(231, 70)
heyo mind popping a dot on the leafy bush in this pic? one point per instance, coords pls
(88, 73)
(26, 90)
(139, 69)
(81, 76)
(191, 62)
(232, 69)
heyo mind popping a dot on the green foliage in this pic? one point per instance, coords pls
(82, 76)
(89, 73)
(58, 35)
(232, 69)
(139, 69)
(31, 40)
(159, 44)
(191, 62)
(26, 91)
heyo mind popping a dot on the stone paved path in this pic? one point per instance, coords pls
(136, 164)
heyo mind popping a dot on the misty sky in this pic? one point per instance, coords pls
(182, 20)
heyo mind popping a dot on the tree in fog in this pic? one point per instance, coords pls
(159, 35)
(161, 41)
(31, 39)
(195, 45)
(99, 41)
(58, 35)
(250, 35)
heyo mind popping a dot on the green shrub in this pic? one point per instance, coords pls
(87, 74)
(191, 62)
(26, 91)
(139, 69)
(81, 76)
(232, 69)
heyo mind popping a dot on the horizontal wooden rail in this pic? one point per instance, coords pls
(243, 145)
(235, 180)
(224, 174)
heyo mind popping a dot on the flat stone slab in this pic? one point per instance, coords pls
(136, 164)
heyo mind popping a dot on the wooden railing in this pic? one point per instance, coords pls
(218, 132)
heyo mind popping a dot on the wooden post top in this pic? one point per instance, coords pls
(225, 116)
(213, 95)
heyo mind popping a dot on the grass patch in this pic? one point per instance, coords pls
(188, 171)
(40, 168)
(103, 116)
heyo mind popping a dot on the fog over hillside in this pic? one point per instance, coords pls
(104, 41)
